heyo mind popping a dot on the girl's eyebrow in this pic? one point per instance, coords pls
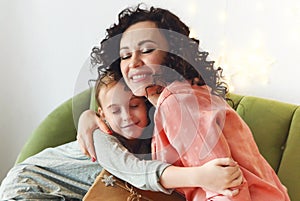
(112, 105)
(136, 97)
(140, 43)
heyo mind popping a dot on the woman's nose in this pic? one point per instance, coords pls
(135, 60)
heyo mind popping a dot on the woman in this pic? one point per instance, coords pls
(158, 60)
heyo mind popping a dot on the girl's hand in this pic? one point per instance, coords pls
(88, 122)
(219, 175)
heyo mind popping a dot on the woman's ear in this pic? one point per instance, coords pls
(101, 113)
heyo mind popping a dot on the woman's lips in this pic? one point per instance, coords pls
(139, 78)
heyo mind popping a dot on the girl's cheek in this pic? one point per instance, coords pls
(113, 123)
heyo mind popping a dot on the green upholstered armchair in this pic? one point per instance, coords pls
(59, 127)
(275, 126)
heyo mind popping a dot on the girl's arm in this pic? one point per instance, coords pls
(87, 123)
(217, 175)
(115, 158)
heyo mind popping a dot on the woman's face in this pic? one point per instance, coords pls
(125, 113)
(142, 50)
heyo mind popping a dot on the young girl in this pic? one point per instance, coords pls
(193, 124)
(126, 114)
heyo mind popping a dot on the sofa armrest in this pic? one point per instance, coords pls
(290, 162)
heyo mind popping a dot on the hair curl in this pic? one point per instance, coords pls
(184, 56)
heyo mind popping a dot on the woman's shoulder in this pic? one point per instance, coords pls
(180, 91)
(184, 92)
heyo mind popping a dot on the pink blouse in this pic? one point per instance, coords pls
(193, 127)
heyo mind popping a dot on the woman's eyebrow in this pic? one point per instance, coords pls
(140, 43)
(146, 41)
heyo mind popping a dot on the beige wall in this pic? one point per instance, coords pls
(45, 43)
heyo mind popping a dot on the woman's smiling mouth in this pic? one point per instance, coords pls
(139, 77)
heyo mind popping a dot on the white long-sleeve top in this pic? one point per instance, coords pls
(114, 157)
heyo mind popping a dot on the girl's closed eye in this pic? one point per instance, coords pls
(115, 110)
(136, 103)
(133, 105)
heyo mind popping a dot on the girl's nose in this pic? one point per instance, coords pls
(126, 116)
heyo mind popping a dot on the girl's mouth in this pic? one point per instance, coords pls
(129, 125)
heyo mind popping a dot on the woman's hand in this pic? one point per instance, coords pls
(88, 122)
(219, 175)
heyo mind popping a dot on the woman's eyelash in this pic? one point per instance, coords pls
(148, 50)
(144, 51)
(125, 56)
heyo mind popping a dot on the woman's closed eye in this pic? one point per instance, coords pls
(147, 50)
(125, 56)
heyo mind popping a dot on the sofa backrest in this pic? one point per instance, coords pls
(275, 126)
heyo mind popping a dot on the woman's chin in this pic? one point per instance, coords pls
(140, 89)
(139, 93)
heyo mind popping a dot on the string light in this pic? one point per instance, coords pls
(192, 7)
(242, 66)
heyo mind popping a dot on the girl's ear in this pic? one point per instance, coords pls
(101, 113)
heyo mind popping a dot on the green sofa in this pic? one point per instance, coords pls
(275, 126)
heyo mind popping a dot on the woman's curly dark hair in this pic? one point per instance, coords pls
(184, 55)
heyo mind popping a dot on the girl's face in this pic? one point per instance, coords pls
(125, 113)
(142, 50)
